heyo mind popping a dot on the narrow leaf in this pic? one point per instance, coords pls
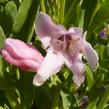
(2, 37)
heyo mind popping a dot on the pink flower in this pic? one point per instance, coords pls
(24, 56)
(63, 47)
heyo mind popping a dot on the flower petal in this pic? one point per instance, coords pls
(45, 27)
(19, 49)
(91, 56)
(77, 67)
(77, 34)
(24, 64)
(59, 44)
(45, 42)
(8, 58)
(29, 65)
(75, 30)
(51, 65)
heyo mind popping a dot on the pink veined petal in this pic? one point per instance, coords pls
(59, 44)
(50, 66)
(77, 67)
(91, 56)
(19, 49)
(45, 27)
(76, 32)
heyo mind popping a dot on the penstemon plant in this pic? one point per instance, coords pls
(54, 54)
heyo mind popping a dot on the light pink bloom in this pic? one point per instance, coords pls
(63, 47)
(22, 55)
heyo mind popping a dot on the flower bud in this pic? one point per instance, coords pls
(103, 34)
(22, 55)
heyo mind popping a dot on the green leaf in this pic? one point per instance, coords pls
(104, 99)
(10, 10)
(93, 97)
(101, 17)
(6, 106)
(12, 98)
(92, 104)
(88, 11)
(2, 37)
(89, 77)
(23, 26)
(9, 14)
(70, 13)
(43, 93)
(3, 79)
(2, 1)
(62, 9)
(22, 15)
(26, 91)
(103, 52)
(1, 107)
(80, 16)
(33, 12)
(66, 100)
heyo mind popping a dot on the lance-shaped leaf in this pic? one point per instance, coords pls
(24, 21)
(8, 15)
(101, 17)
(2, 37)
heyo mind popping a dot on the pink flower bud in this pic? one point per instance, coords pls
(22, 55)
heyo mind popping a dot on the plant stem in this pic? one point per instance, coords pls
(62, 9)
(71, 8)
(42, 5)
(55, 99)
(104, 99)
(30, 34)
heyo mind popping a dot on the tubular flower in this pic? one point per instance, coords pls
(22, 55)
(104, 32)
(63, 47)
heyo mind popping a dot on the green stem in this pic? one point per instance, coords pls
(94, 13)
(71, 8)
(12, 98)
(30, 35)
(42, 6)
(55, 99)
(104, 99)
(62, 9)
